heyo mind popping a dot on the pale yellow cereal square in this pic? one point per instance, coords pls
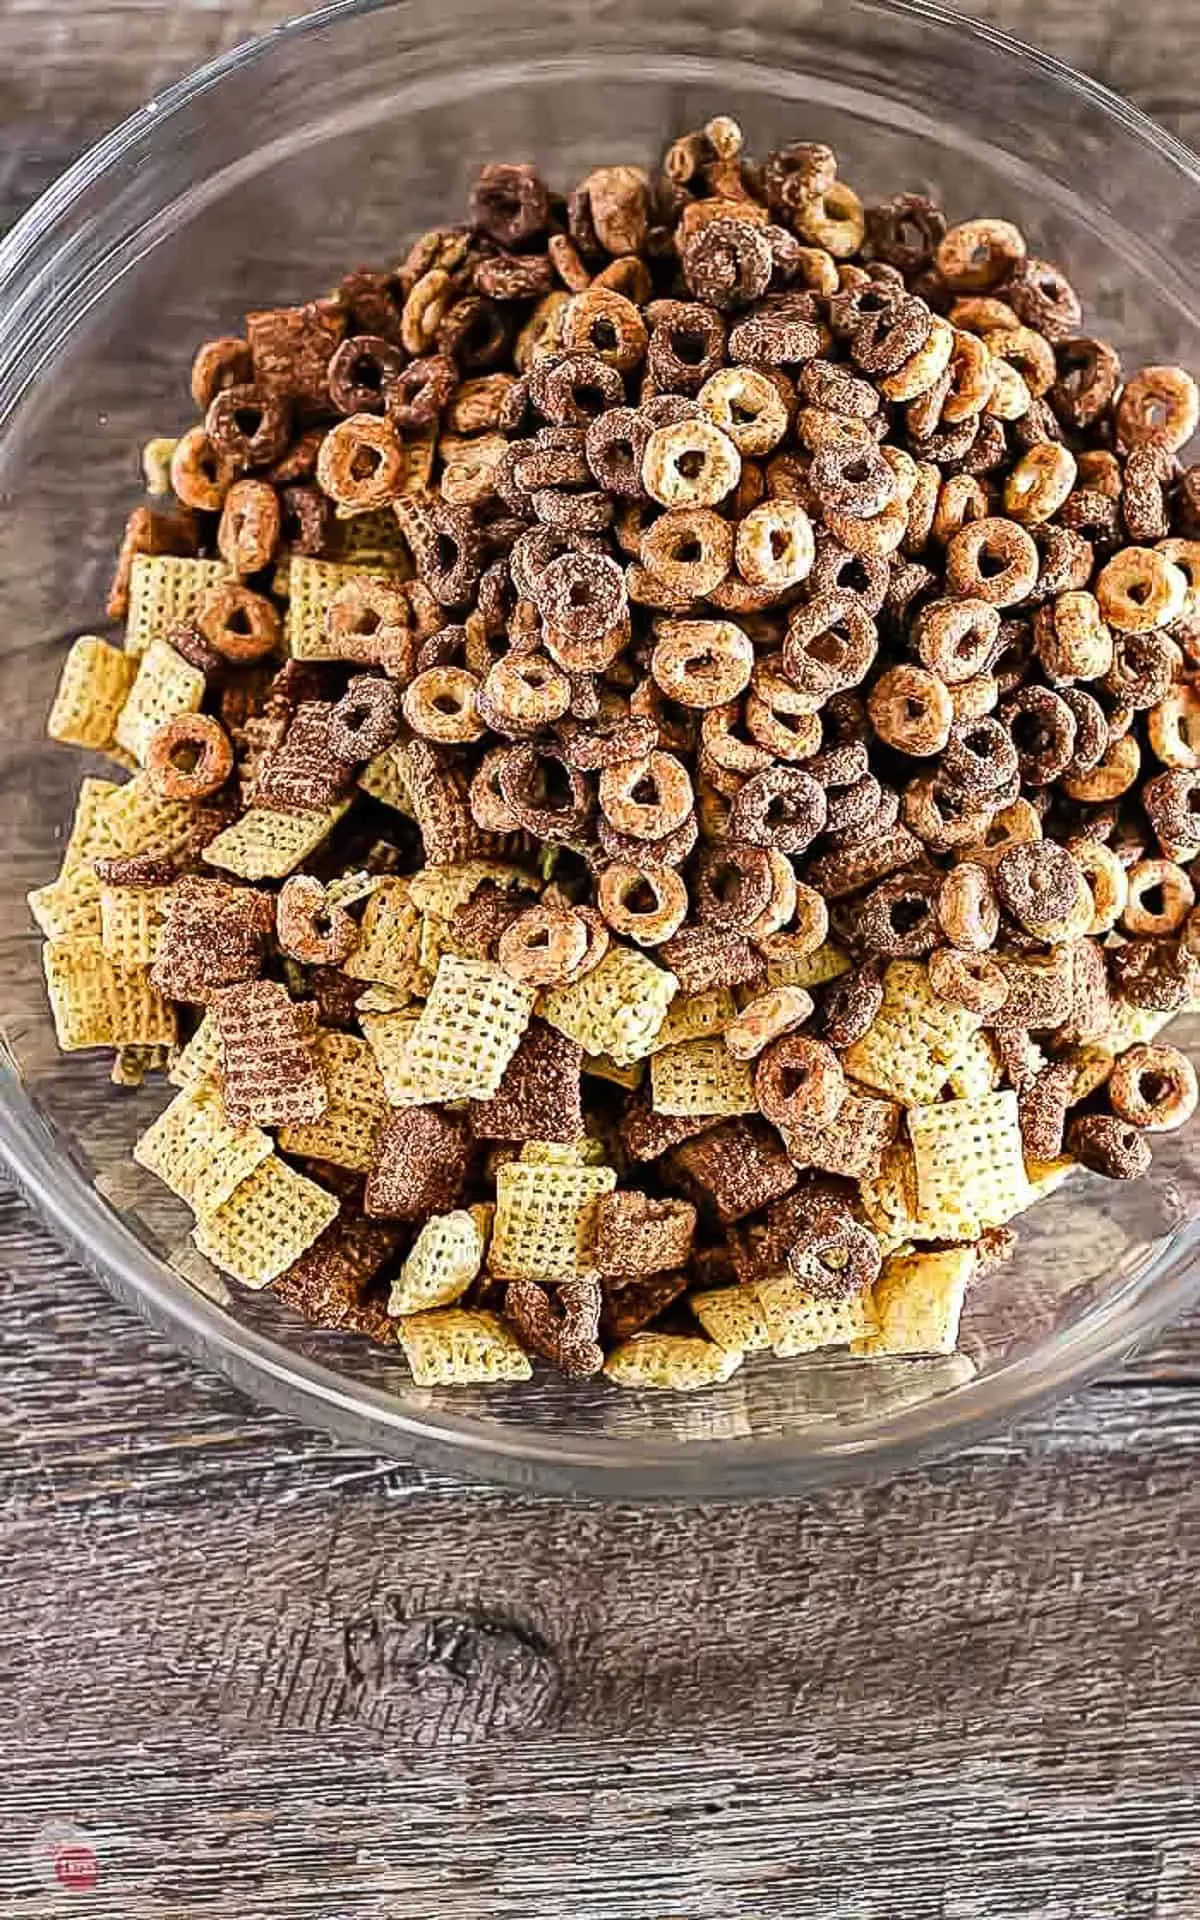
(68, 908)
(311, 585)
(446, 1257)
(92, 688)
(701, 1077)
(696, 1016)
(131, 923)
(268, 1221)
(166, 686)
(915, 1041)
(454, 1346)
(815, 969)
(200, 1059)
(918, 1300)
(388, 1033)
(467, 1032)
(138, 820)
(968, 1158)
(385, 778)
(91, 835)
(733, 1317)
(670, 1362)
(97, 1003)
(347, 1132)
(194, 1150)
(442, 890)
(164, 591)
(267, 843)
(388, 948)
(546, 1217)
(617, 1008)
(799, 1321)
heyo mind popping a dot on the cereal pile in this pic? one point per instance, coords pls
(664, 776)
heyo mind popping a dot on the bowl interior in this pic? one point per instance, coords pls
(334, 146)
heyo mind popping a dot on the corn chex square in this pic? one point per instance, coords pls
(385, 778)
(442, 890)
(166, 685)
(968, 1156)
(138, 820)
(815, 969)
(91, 835)
(374, 536)
(672, 1362)
(164, 591)
(131, 923)
(389, 939)
(92, 688)
(893, 1207)
(802, 1322)
(918, 1301)
(467, 1033)
(695, 1016)
(97, 1003)
(733, 1317)
(347, 1133)
(545, 1223)
(388, 1033)
(193, 1149)
(617, 1008)
(456, 1347)
(268, 1221)
(311, 585)
(200, 1059)
(915, 1040)
(446, 1256)
(700, 1077)
(68, 908)
(268, 843)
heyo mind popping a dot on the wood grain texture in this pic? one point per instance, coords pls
(267, 1674)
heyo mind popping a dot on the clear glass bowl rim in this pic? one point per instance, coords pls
(42, 1167)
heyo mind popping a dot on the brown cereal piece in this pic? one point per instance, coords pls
(267, 843)
(853, 1142)
(214, 936)
(639, 1303)
(1042, 1105)
(445, 1258)
(194, 1149)
(733, 1169)
(799, 1320)
(915, 1040)
(458, 1346)
(290, 350)
(437, 794)
(347, 1133)
(303, 773)
(166, 686)
(637, 1235)
(131, 923)
(669, 1361)
(563, 1325)
(93, 686)
(968, 1157)
(844, 870)
(269, 1220)
(270, 1070)
(918, 1301)
(328, 1282)
(467, 1033)
(387, 948)
(733, 1317)
(646, 1135)
(704, 958)
(97, 1003)
(1040, 987)
(546, 1216)
(1153, 1087)
(422, 1161)
(538, 1097)
(165, 591)
(615, 1009)
(701, 1077)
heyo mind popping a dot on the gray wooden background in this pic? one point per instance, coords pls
(263, 1674)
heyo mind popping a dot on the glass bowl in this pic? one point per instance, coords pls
(259, 180)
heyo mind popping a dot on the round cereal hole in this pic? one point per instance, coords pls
(977, 255)
(242, 626)
(747, 407)
(648, 798)
(799, 1082)
(782, 807)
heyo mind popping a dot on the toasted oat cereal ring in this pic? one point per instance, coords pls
(1153, 1088)
(924, 370)
(543, 946)
(780, 720)
(614, 447)
(872, 539)
(781, 807)
(967, 910)
(1043, 730)
(726, 257)
(415, 395)
(572, 391)
(249, 425)
(1039, 483)
(188, 757)
(690, 463)
(1108, 1145)
(311, 928)
(899, 916)
(370, 619)
(1173, 728)
(941, 815)
(365, 720)
(1139, 589)
(687, 344)
(606, 324)
(747, 406)
(993, 560)
(1160, 897)
(306, 518)
(201, 475)
(767, 1017)
(1106, 880)
(832, 218)
(1172, 803)
(240, 625)
(583, 601)
(1010, 398)
(1112, 776)
(734, 885)
(1089, 373)
(250, 526)
(559, 1322)
(980, 761)
(647, 798)
(956, 639)
(976, 255)
(853, 480)
(489, 809)
(1071, 639)
(644, 904)
(439, 704)
(1011, 826)
(1160, 406)
(911, 709)
(851, 1004)
(1037, 884)
(701, 663)
(960, 499)
(360, 372)
(970, 374)
(690, 549)
(219, 364)
(1143, 669)
(834, 1255)
(971, 980)
(774, 547)
(525, 692)
(830, 645)
(799, 1082)
(362, 462)
(781, 907)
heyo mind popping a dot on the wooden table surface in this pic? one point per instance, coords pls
(259, 1673)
